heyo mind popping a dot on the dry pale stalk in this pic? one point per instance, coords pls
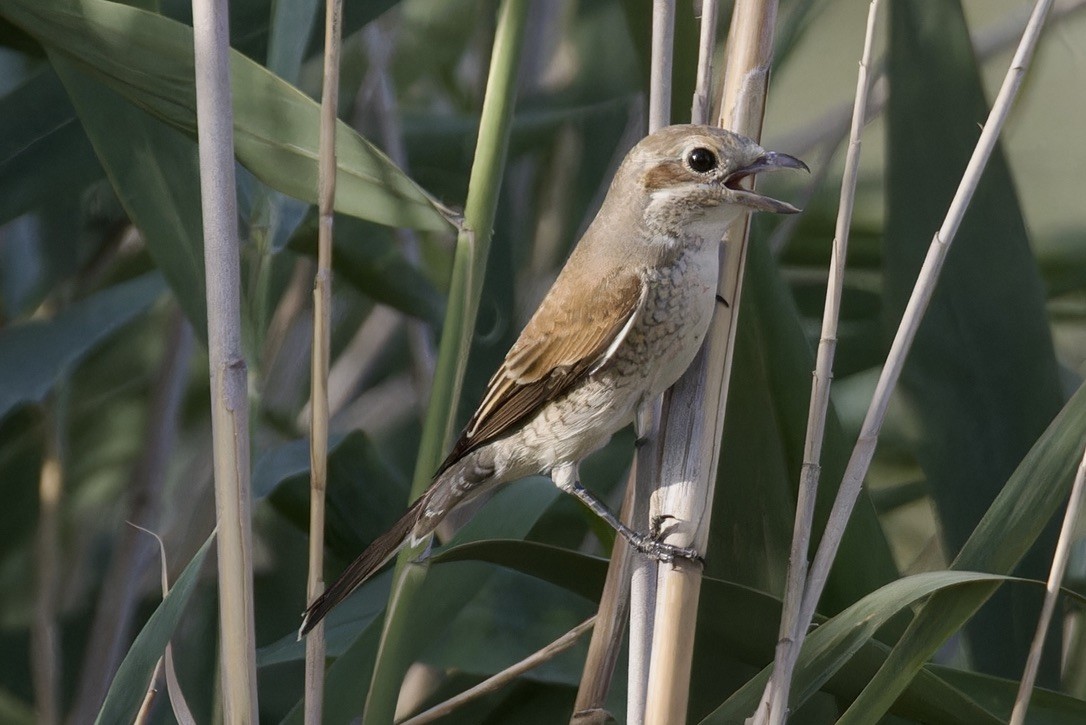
(774, 704)
(501, 679)
(663, 42)
(643, 570)
(607, 635)
(690, 435)
(322, 323)
(702, 105)
(143, 715)
(229, 375)
(1052, 591)
(910, 322)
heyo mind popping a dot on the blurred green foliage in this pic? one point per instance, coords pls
(100, 245)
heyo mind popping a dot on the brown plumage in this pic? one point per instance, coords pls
(622, 321)
(563, 341)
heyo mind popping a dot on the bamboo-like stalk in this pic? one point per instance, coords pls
(465, 287)
(663, 43)
(1052, 591)
(864, 450)
(503, 678)
(774, 705)
(690, 435)
(143, 715)
(701, 108)
(322, 344)
(643, 569)
(228, 371)
(614, 609)
(111, 629)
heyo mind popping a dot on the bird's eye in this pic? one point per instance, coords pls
(701, 160)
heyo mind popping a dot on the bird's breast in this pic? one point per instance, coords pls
(673, 323)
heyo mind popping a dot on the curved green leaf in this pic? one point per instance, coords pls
(154, 171)
(579, 573)
(744, 626)
(835, 642)
(998, 695)
(149, 60)
(42, 146)
(34, 355)
(134, 675)
(1031, 497)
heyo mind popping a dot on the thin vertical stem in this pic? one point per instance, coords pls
(228, 371)
(322, 336)
(663, 43)
(643, 569)
(1052, 590)
(606, 642)
(774, 703)
(864, 450)
(702, 104)
(469, 262)
(691, 433)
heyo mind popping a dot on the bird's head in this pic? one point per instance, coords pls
(690, 173)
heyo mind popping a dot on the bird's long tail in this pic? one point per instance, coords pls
(376, 555)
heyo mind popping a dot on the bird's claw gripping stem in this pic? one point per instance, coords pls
(648, 544)
(666, 553)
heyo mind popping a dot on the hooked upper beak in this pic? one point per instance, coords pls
(769, 161)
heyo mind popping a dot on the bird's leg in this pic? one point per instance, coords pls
(565, 477)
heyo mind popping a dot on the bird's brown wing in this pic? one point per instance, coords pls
(570, 336)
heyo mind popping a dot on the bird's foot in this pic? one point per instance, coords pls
(666, 553)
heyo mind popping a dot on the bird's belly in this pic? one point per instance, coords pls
(572, 426)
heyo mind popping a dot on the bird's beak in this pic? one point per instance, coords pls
(769, 161)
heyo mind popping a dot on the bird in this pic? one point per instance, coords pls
(622, 321)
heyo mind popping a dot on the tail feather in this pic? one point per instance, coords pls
(376, 555)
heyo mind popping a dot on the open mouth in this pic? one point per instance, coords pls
(732, 182)
(770, 161)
